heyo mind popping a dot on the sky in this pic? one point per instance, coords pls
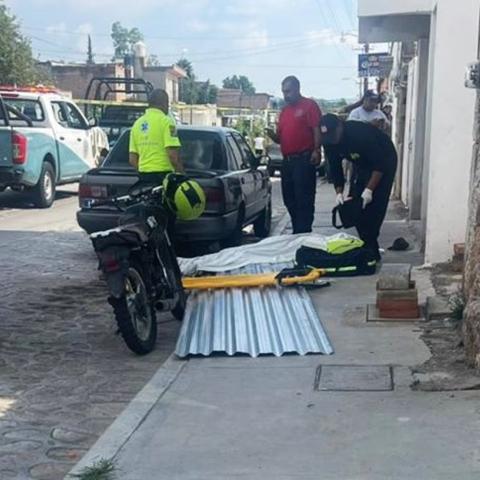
(266, 40)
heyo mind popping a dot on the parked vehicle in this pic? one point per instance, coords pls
(45, 141)
(238, 192)
(275, 160)
(114, 117)
(140, 267)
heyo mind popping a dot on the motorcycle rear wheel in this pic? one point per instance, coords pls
(174, 276)
(135, 314)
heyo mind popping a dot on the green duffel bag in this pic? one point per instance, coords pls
(356, 261)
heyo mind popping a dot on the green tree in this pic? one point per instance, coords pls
(192, 91)
(17, 65)
(90, 55)
(187, 66)
(124, 39)
(241, 83)
(206, 92)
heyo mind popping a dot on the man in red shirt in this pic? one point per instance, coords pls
(299, 136)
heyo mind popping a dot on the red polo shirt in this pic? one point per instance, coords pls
(296, 125)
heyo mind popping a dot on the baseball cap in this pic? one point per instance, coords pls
(328, 127)
(371, 94)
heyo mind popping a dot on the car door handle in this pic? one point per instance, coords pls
(62, 138)
(79, 139)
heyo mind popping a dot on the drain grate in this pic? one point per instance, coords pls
(354, 378)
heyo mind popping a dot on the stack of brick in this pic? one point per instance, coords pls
(397, 295)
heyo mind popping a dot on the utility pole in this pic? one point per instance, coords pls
(366, 79)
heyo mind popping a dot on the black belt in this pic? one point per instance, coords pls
(296, 156)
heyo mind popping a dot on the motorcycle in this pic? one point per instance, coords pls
(140, 266)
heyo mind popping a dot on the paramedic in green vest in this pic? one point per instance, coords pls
(154, 143)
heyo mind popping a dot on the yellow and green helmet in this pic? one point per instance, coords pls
(184, 196)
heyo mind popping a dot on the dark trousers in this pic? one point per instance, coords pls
(374, 214)
(156, 179)
(299, 182)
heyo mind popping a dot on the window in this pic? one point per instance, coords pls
(74, 117)
(118, 155)
(30, 108)
(247, 155)
(199, 151)
(235, 154)
(3, 115)
(59, 114)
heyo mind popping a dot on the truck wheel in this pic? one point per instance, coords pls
(44, 191)
(263, 224)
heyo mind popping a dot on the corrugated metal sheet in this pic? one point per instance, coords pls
(252, 321)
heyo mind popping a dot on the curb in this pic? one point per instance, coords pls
(125, 425)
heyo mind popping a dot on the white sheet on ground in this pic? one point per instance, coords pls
(278, 249)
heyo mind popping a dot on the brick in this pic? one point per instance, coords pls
(373, 315)
(394, 277)
(398, 309)
(397, 295)
(459, 250)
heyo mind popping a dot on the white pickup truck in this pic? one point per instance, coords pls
(45, 141)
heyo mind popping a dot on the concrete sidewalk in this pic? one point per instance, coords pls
(351, 415)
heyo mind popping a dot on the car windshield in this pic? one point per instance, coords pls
(199, 151)
(30, 108)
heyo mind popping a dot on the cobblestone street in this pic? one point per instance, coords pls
(64, 373)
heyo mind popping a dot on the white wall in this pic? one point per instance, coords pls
(394, 7)
(451, 110)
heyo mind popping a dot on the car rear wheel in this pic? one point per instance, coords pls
(263, 224)
(44, 192)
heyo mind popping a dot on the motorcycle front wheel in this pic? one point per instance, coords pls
(135, 314)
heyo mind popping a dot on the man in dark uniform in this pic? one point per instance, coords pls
(375, 158)
(298, 134)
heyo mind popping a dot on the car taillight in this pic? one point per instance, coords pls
(19, 148)
(92, 191)
(214, 195)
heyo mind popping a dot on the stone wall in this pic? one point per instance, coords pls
(471, 326)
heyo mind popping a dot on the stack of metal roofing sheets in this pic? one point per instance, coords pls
(253, 321)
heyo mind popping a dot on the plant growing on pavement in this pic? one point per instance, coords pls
(457, 305)
(102, 470)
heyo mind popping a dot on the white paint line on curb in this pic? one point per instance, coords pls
(120, 431)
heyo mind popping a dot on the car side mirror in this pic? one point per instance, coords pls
(92, 122)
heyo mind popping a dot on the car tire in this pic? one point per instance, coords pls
(263, 224)
(44, 191)
(235, 238)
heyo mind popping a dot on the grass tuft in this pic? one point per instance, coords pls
(102, 470)
(457, 305)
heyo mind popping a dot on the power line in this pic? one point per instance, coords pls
(155, 37)
(209, 56)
